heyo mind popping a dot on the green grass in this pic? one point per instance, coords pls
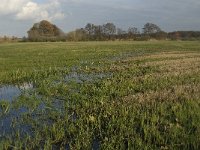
(122, 95)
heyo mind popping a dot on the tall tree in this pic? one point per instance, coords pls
(109, 29)
(45, 31)
(121, 34)
(98, 32)
(133, 32)
(150, 28)
(90, 28)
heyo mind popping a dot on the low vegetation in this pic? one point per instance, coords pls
(101, 95)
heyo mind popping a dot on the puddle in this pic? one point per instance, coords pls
(95, 144)
(83, 77)
(12, 122)
(10, 92)
(6, 122)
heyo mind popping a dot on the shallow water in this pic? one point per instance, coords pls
(6, 122)
(83, 77)
(11, 92)
(11, 122)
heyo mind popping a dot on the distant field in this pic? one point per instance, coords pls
(29, 57)
(100, 95)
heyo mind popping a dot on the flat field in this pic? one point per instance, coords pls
(100, 95)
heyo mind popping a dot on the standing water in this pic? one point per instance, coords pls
(10, 92)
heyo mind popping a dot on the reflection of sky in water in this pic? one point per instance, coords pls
(10, 92)
(81, 77)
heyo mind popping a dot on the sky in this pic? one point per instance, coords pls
(18, 16)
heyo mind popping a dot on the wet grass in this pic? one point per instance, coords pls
(101, 95)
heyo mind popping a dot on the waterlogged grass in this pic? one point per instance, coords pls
(101, 95)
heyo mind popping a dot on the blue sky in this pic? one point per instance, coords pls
(17, 16)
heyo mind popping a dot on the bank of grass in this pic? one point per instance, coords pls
(149, 97)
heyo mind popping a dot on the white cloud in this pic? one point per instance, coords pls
(11, 6)
(30, 10)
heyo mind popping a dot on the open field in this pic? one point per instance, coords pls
(100, 95)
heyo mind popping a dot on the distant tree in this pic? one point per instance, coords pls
(89, 28)
(81, 35)
(150, 28)
(71, 36)
(120, 31)
(77, 35)
(24, 39)
(133, 32)
(109, 29)
(160, 35)
(174, 35)
(45, 31)
(98, 30)
(46, 28)
(184, 35)
(121, 34)
(5, 38)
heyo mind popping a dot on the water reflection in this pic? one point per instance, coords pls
(83, 77)
(10, 92)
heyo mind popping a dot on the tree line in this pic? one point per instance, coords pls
(44, 31)
(8, 39)
(109, 31)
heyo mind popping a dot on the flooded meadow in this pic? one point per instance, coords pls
(100, 95)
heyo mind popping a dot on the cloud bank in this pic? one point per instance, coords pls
(31, 10)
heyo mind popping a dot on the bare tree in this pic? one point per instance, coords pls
(150, 28)
(133, 32)
(121, 34)
(109, 29)
(89, 28)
